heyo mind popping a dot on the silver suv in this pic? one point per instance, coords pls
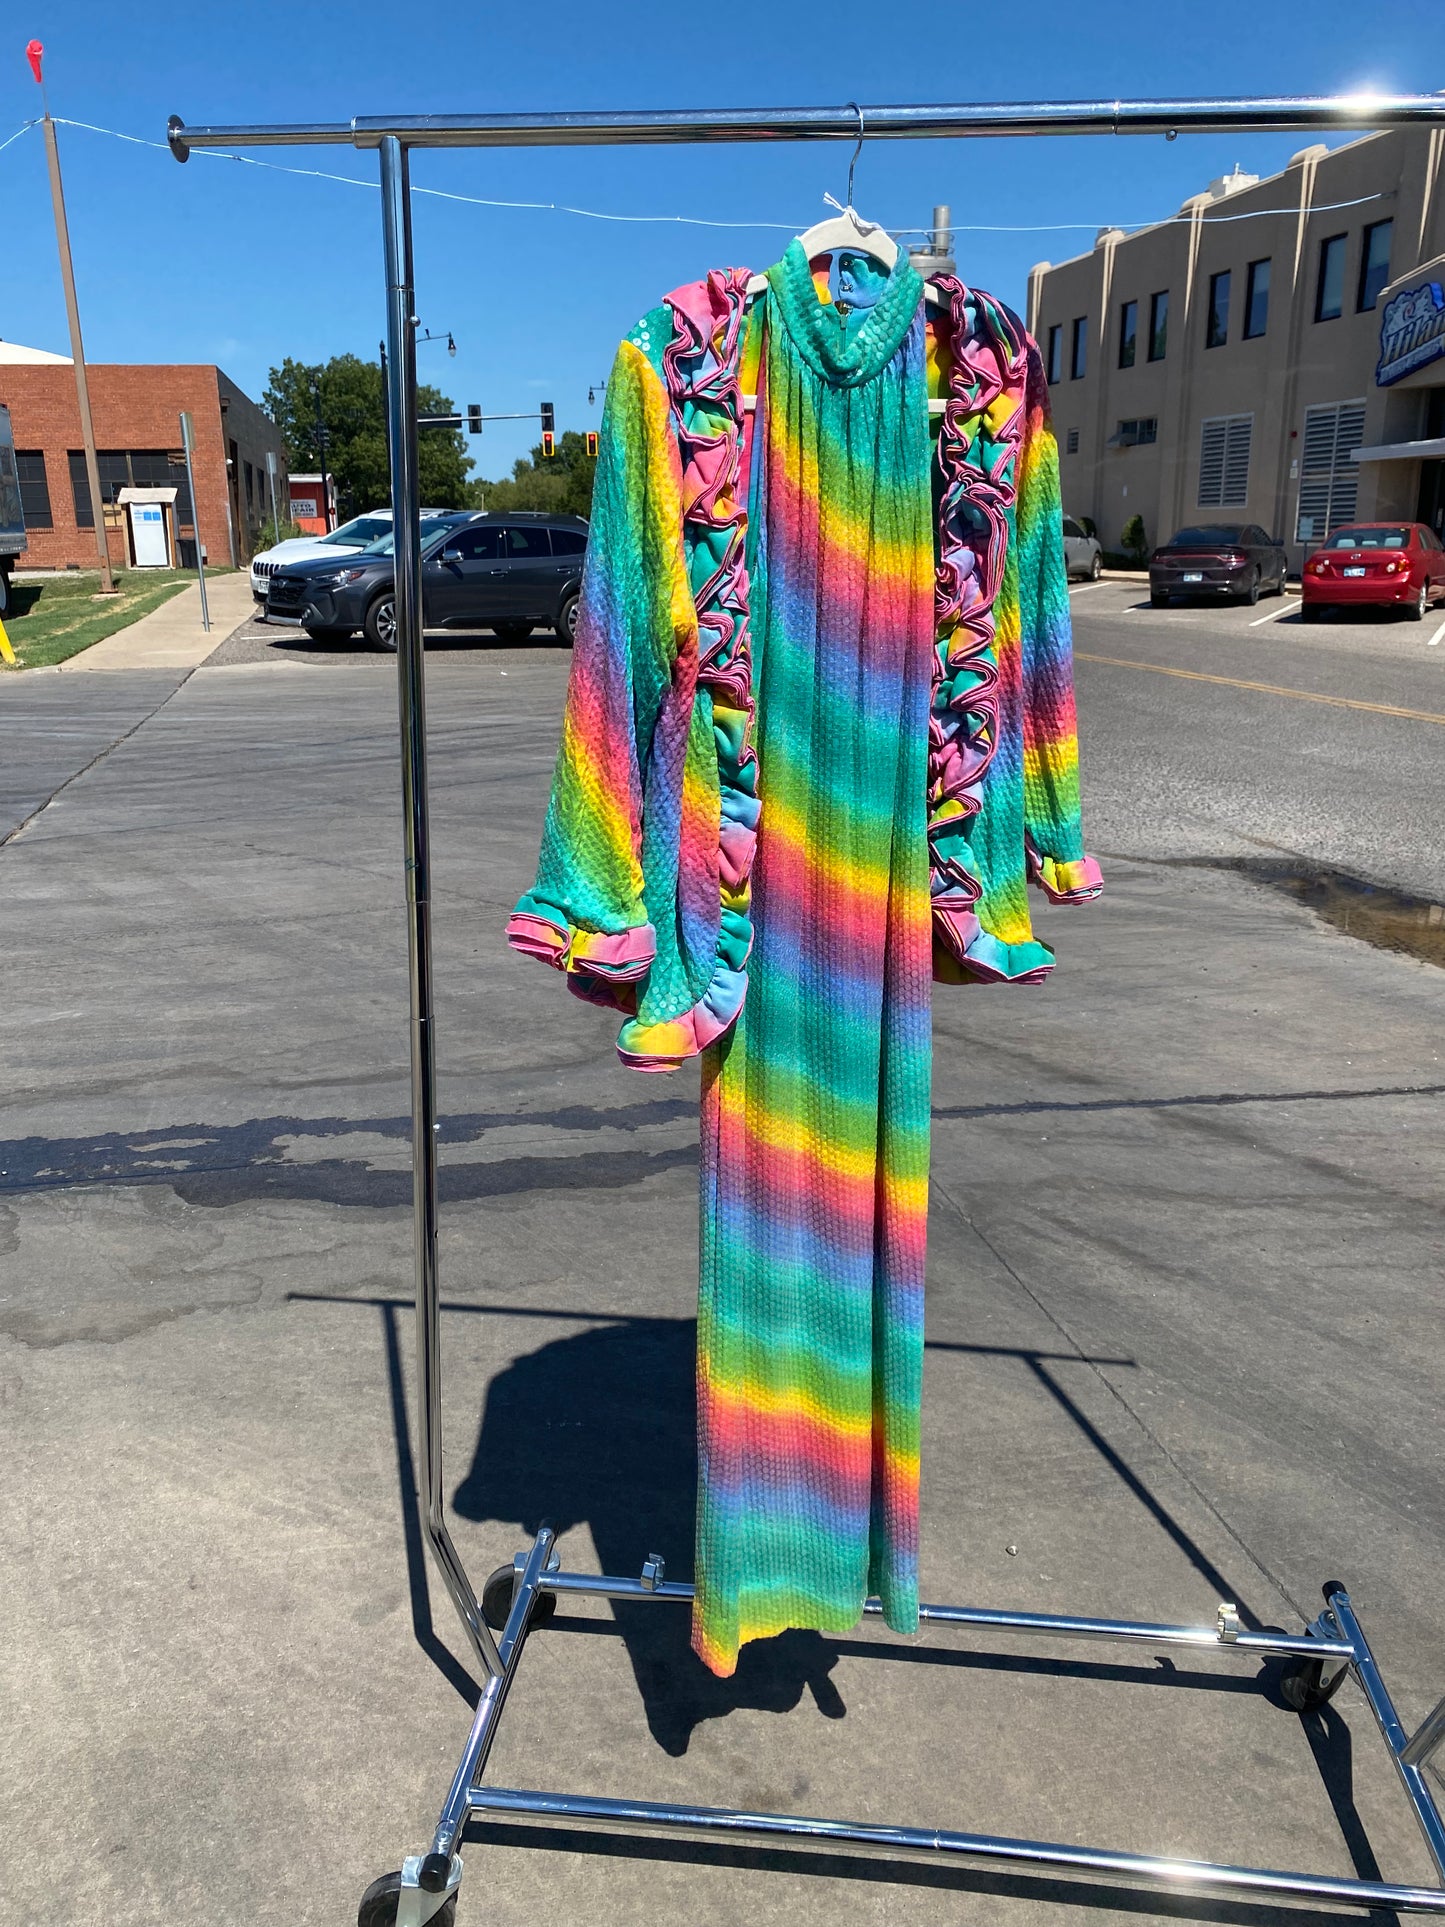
(1083, 557)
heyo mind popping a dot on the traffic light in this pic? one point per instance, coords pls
(592, 443)
(549, 430)
(474, 418)
(549, 444)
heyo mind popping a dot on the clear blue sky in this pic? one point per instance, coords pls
(220, 262)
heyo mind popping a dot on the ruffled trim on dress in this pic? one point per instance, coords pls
(615, 957)
(1078, 881)
(990, 365)
(701, 373)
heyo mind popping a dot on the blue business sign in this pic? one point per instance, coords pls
(1412, 332)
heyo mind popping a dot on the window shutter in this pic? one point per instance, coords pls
(1211, 464)
(1329, 475)
(1238, 433)
(1319, 448)
(1224, 443)
(1344, 491)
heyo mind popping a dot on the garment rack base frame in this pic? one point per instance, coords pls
(1322, 1655)
(1318, 1659)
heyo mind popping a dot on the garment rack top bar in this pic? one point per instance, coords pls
(664, 127)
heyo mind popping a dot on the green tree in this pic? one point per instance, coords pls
(561, 486)
(353, 413)
(1135, 541)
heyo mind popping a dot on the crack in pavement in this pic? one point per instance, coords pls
(125, 736)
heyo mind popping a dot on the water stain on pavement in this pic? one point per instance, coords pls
(1388, 919)
(367, 1162)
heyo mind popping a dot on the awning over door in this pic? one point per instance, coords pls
(1403, 451)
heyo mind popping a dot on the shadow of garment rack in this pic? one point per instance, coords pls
(425, 1887)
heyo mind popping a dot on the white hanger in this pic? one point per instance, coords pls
(847, 230)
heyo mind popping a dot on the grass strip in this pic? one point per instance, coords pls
(49, 621)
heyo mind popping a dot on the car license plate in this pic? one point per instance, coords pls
(1354, 572)
(1196, 575)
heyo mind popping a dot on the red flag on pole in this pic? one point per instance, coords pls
(34, 54)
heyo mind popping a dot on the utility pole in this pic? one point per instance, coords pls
(321, 453)
(935, 254)
(34, 53)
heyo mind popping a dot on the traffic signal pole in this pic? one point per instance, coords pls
(472, 419)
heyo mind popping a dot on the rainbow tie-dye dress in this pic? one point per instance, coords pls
(819, 735)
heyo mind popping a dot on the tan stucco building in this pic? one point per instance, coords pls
(1274, 354)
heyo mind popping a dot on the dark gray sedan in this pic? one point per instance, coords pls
(1234, 559)
(506, 573)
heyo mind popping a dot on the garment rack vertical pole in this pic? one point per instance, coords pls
(1320, 1655)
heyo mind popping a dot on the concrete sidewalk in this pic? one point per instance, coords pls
(172, 637)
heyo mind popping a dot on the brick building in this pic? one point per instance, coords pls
(136, 413)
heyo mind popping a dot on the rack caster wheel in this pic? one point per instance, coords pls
(497, 1600)
(1301, 1685)
(379, 1904)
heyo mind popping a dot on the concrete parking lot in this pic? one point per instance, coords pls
(1184, 1341)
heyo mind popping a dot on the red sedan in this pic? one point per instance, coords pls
(1388, 564)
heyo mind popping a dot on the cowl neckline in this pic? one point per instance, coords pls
(841, 353)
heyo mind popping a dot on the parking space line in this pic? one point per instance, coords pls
(1287, 607)
(1083, 588)
(1264, 688)
(1436, 637)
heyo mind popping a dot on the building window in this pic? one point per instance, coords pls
(1071, 445)
(1374, 262)
(1329, 475)
(1078, 351)
(1256, 300)
(114, 476)
(1128, 333)
(1056, 353)
(1216, 331)
(34, 488)
(1224, 461)
(1330, 289)
(1137, 431)
(127, 468)
(1158, 324)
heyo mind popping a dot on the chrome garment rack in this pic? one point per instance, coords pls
(519, 1597)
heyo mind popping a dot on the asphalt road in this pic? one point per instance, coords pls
(1184, 1344)
(264, 640)
(1312, 765)
(1200, 762)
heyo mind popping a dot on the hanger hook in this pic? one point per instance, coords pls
(857, 150)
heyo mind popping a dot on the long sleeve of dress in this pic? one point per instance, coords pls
(587, 912)
(1053, 825)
